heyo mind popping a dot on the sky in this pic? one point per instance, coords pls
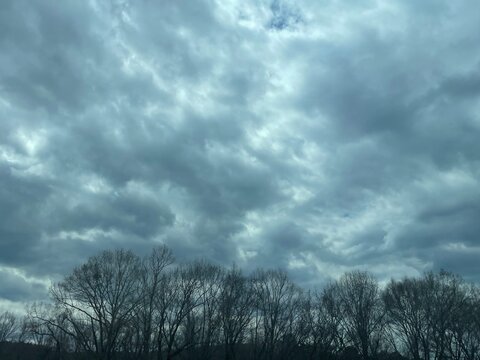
(314, 136)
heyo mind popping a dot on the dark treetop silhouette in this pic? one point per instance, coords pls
(120, 306)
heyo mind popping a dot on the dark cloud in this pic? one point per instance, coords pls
(315, 136)
(17, 288)
(283, 15)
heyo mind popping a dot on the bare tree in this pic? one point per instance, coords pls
(99, 299)
(118, 306)
(358, 297)
(8, 326)
(152, 281)
(206, 317)
(404, 303)
(321, 321)
(50, 326)
(468, 334)
(236, 308)
(446, 301)
(277, 299)
(176, 304)
(432, 316)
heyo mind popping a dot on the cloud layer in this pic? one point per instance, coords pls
(316, 136)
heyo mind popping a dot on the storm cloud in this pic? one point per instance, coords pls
(315, 136)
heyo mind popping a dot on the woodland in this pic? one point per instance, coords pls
(120, 306)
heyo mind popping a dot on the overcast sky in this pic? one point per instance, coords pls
(315, 136)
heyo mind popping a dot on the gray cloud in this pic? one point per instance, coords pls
(314, 136)
(15, 287)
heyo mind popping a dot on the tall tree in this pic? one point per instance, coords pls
(236, 308)
(99, 298)
(320, 321)
(404, 302)
(152, 281)
(207, 321)
(277, 299)
(179, 300)
(358, 297)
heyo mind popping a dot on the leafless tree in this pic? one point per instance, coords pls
(432, 316)
(118, 306)
(358, 299)
(404, 303)
(236, 308)
(446, 301)
(8, 326)
(98, 300)
(152, 282)
(176, 304)
(50, 326)
(277, 299)
(320, 321)
(468, 333)
(206, 325)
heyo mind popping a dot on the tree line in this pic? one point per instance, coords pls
(118, 305)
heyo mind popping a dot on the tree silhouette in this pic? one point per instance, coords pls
(118, 306)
